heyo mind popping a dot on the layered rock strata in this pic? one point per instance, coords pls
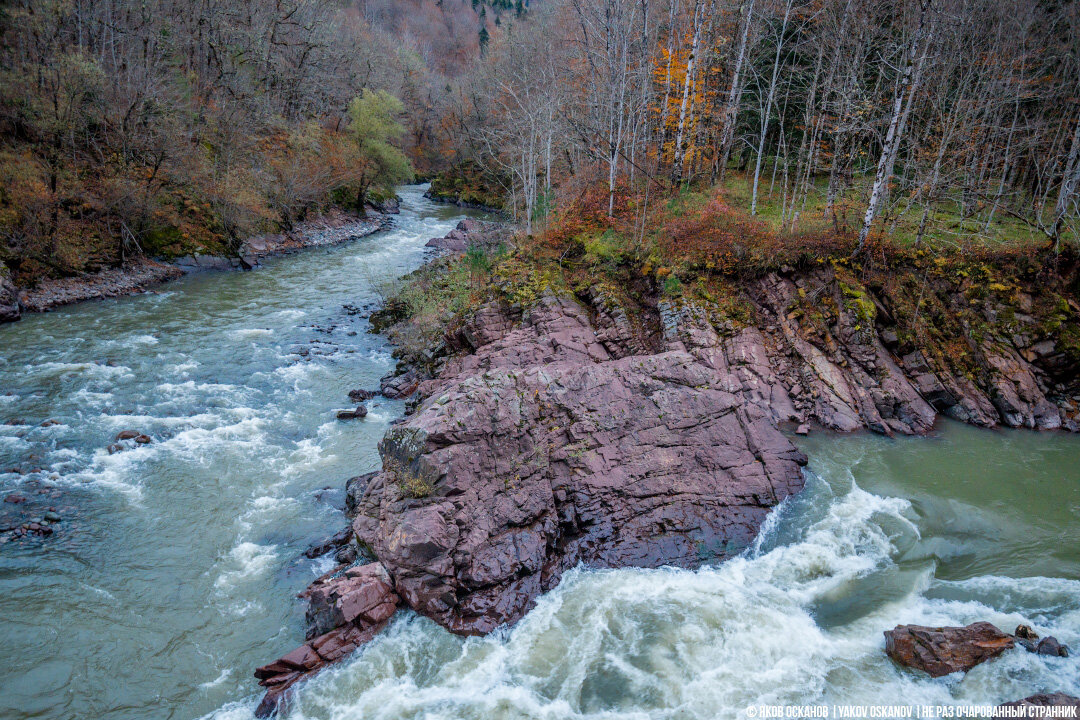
(345, 610)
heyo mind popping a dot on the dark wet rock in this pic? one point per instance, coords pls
(1026, 637)
(1057, 699)
(127, 435)
(1051, 646)
(943, 650)
(1026, 632)
(362, 395)
(345, 610)
(345, 555)
(14, 498)
(114, 448)
(143, 439)
(359, 412)
(51, 423)
(331, 543)
(52, 516)
(542, 450)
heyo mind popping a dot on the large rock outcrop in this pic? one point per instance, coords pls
(551, 444)
(585, 429)
(943, 650)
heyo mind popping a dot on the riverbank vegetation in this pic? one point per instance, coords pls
(716, 135)
(170, 127)
(934, 122)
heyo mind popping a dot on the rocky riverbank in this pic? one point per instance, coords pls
(141, 273)
(552, 425)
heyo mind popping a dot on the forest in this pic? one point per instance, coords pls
(795, 125)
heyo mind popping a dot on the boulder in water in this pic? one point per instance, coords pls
(345, 611)
(1028, 639)
(331, 543)
(360, 395)
(1051, 646)
(359, 412)
(1058, 699)
(940, 651)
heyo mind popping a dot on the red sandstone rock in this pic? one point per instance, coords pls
(345, 611)
(944, 650)
(543, 449)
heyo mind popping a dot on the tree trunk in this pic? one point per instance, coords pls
(909, 85)
(731, 108)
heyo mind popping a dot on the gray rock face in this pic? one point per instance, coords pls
(542, 449)
(9, 298)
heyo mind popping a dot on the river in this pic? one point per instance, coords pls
(173, 571)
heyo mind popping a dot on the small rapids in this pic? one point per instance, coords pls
(174, 569)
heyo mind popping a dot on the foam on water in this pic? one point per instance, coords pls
(243, 562)
(670, 643)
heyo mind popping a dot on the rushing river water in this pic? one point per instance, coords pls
(173, 572)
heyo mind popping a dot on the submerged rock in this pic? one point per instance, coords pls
(1027, 638)
(331, 543)
(940, 651)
